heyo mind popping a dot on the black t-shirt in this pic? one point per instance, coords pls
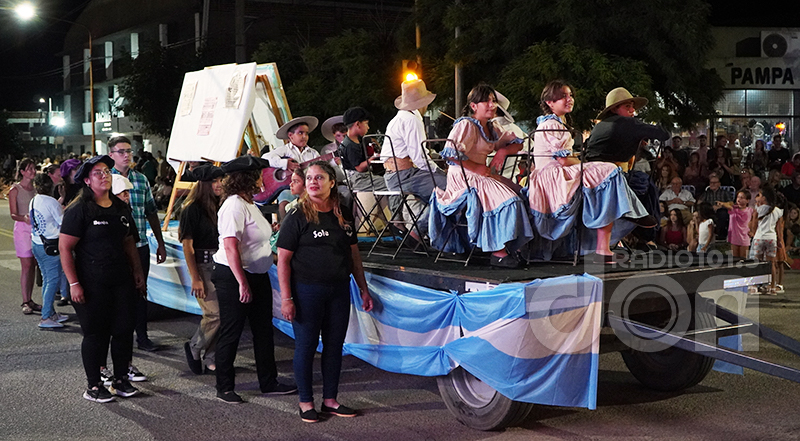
(617, 138)
(321, 251)
(792, 194)
(351, 153)
(781, 156)
(196, 225)
(101, 232)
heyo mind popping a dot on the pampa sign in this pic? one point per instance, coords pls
(757, 73)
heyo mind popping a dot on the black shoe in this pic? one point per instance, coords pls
(509, 261)
(342, 411)
(98, 394)
(279, 389)
(148, 345)
(209, 371)
(123, 388)
(309, 416)
(196, 366)
(644, 222)
(230, 397)
(63, 302)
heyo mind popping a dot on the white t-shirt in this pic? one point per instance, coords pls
(237, 218)
(703, 233)
(48, 215)
(766, 225)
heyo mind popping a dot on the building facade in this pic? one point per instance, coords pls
(760, 68)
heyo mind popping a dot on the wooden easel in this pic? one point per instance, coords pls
(249, 134)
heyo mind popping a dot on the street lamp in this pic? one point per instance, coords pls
(26, 11)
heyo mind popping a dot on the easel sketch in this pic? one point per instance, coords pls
(225, 111)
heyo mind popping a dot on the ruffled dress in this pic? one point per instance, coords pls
(494, 214)
(607, 197)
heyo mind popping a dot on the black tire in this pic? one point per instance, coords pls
(475, 404)
(672, 369)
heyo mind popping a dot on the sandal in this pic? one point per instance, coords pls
(34, 306)
(26, 309)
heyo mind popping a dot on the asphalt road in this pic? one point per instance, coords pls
(41, 382)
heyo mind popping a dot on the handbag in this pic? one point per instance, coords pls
(50, 245)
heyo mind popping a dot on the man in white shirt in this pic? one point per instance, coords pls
(410, 166)
(676, 197)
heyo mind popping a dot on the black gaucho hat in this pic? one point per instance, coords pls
(88, 165)
(245, 163)
(355, 114)
(207, 172)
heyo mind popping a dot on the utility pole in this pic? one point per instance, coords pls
(239, 29)
(459, 87)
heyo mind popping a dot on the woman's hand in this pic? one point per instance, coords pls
(245, 296)
(497, 162)
(366, 301)
(287, 309)
(76, 294)
(198, 289)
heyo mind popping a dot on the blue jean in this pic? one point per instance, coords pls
(417, 182)
(319, 309)
(53, 278)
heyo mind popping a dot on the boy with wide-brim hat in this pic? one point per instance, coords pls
(296, 150)
(617, 136)
(410, 166)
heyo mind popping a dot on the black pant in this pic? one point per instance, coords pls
(107, 315)
(141, 302)
(232, 315)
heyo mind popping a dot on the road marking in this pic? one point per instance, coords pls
(12, 264)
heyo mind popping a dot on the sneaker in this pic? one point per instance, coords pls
(279, 389)
(341, 411)
(49, 323)
(309, 416)
(230, 397)
(106, 376)
(147, 345)
(61, 318)
(123, 388)
(98, 394)
(134, 374)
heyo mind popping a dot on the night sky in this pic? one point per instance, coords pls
(30, 67)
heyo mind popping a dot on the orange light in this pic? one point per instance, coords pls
(780, 126)
(411, 76)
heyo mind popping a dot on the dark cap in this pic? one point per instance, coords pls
(88, 165)
(355, 114)
(207, 172)
(69, 165)
(245, 163)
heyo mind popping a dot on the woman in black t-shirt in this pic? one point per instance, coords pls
(105, 276)
(199, 236)
(317, 252)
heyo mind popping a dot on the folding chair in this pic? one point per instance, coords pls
(363, 213)
(731, 191)
(396, 212)
(458, 218)
(689, 188)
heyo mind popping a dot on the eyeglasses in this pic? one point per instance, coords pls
(101, 173)
(123, 151)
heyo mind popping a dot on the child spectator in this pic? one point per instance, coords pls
(764, 224)
(673, 235)
(738, 230)
(705, 227)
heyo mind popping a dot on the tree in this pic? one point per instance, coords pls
(670, 37)
(153, 87)
(355, 68)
